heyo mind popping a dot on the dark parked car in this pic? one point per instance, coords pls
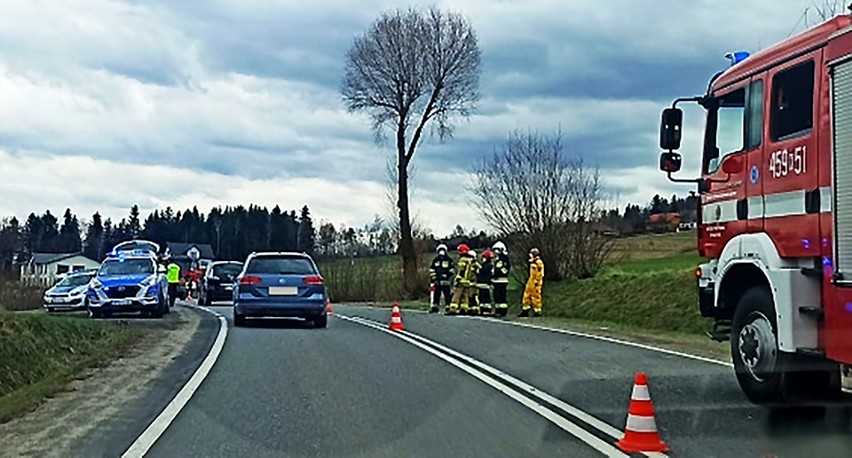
(280, 285)
(217, 284)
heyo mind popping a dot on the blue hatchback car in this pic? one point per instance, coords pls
(286, 285)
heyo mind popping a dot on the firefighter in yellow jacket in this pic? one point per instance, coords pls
(532, 293)
(464, 281)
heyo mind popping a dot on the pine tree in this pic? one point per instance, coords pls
(50, 237)
(69, 234)
(306, 236)
(134, 227)
(93, 248)
(10, 243)
(109, 238)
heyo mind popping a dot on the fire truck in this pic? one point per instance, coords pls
(775, 217)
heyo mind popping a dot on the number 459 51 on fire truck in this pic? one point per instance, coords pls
(775, 219)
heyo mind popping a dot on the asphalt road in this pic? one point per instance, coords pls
(282, 389)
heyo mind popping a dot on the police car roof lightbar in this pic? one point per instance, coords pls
(131, 253)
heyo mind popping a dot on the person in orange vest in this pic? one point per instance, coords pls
(532, 292)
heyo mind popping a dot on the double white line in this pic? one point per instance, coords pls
(525, 394)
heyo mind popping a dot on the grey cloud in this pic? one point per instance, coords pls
(249, 88)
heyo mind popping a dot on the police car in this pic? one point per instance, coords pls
(128, 281)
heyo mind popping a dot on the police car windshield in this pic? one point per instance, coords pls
(75, 280)
(126, 267)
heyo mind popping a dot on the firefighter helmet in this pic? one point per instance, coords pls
(463, 249)
(499, 247)
(441, 248)
(488, 254)
(534, 252)
(472, 254)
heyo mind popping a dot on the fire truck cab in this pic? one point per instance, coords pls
(775, 218)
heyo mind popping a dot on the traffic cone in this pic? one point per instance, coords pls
(641, 433)
(328, 307)
(396, 318)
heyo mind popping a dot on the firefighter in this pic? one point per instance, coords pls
(173, 277)
(483, 282)
(441, 274)
(532, 293)
(464, 281)
(472, 298)
(500, 279)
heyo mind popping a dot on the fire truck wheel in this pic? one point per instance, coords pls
(758, 363)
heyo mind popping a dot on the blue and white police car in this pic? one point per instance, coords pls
(128, 281)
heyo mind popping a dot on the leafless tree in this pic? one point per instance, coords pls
(532, 194)
(824, 10)
(411, 69)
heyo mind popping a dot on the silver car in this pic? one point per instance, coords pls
(69, 294)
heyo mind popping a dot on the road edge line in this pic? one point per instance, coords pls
(584, 335)
(152, 433)
(606, 339)
(565, 424)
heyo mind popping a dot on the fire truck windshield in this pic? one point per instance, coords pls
(725, 129)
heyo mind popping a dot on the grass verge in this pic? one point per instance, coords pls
(40, 354)
(656, 294)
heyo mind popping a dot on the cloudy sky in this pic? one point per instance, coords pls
(105, 104)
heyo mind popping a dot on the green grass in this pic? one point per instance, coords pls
(651, 294)
(647, 284)
(39, 354)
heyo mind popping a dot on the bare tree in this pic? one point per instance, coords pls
(533, 195)
(408, 69)
(824, 10)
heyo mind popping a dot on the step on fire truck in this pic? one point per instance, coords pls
(775, 220)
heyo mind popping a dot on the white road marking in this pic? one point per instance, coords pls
(156, 429)
(581, 334)
(605, 339)
(562, 422)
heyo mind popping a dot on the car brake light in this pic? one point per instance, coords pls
(249, 280)
(312, 280)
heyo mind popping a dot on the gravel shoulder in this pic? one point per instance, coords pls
(65, 424)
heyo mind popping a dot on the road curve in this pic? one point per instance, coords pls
(282, 389)
(700, 408)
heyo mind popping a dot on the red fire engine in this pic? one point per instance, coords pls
(776, 212)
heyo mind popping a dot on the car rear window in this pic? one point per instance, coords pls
(227, 270)
(280, 266)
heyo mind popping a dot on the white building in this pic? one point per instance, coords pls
(45, 268)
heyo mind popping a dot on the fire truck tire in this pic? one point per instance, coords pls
(758, 363)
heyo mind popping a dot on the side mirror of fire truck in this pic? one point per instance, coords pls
(670, 162)
(733, 164)
(670, 129)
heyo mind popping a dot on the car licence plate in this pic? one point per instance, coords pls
(283, 290)
(229, 288)
(122, 302)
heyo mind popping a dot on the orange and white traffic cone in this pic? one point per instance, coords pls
(396, 318)
(328, 306)
(641, 433)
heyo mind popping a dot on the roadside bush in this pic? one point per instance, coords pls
(16, 295)
(369, 279)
